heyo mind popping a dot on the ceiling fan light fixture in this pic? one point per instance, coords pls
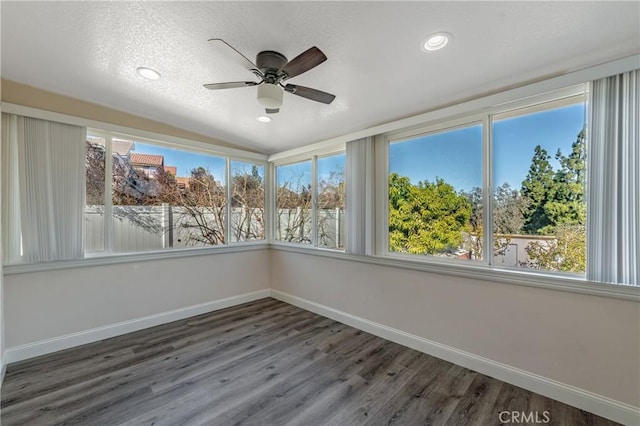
(270, 95)
(435, 42)
(264, 119)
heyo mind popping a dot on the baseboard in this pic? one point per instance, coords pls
(43, 347)
(3, 369)
(570, 395)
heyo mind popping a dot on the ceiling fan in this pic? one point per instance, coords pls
(273, 69)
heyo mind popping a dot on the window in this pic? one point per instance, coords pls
(331, 202)
(533, 156)
(539, 209)
(247, 201)
(293, 203)
(435, 194)
(93, 230)
(310, 202)
(164, 198)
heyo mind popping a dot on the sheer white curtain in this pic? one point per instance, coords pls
(359, 189)
(11, 231)
(614, 180)
(50, 176)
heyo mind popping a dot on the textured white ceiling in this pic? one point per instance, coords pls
(90, 50)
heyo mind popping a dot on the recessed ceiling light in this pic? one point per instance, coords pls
(436, 42)
(148, 73)
(264, 119)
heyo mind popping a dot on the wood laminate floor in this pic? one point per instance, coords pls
(262, 363)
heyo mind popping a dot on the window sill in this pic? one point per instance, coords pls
(115, 258)
(482, 272)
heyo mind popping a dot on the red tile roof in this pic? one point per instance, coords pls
(146, 159)
(171, 169)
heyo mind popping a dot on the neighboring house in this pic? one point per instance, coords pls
(172, 170)
(183, 183)
(149, 164)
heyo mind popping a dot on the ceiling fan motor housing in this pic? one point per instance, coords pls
(270, 61)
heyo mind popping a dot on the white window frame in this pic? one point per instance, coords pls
(543, 102)
(102, 129)
(382, 181)
(293, 159)
(108, 202)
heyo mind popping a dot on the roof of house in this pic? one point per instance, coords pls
(147, 159)
(171, 169)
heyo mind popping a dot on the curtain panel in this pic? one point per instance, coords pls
(45, 193)
(613, 156)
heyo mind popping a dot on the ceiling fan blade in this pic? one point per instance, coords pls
(303, 62)
(230, 85)
(309, 93)
(234, 54)
(272, 110)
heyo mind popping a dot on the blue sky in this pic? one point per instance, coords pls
(301, 171)
(185, 161)
(456, 156)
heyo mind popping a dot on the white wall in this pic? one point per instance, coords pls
(590, 342)
(52, 304)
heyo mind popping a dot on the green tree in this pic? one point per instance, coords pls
(427, 218)
(566, 205)
(557, 208)
(537, 188)
(565, 253)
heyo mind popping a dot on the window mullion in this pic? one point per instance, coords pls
(108, 195)
(380, 215)
(314, 201)
(227, 220)
(271, 195)
(487, 192)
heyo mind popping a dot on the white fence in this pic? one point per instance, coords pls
(294, 225)
(141, 228)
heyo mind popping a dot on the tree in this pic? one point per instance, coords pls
(427, 218)
(566, 203)
(508, 211)
(537, 188)
(247, 203)
(294, 210)
(476, 232)
(566, 252)
(331, 202)
(558, 209)
(509, 208)
(200, 215)
(94, 174)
